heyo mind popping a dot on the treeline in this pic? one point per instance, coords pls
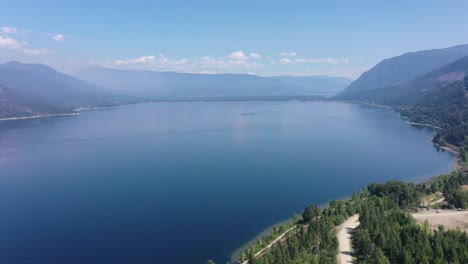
(450, 186)
(265, 241)
(446, 107)
(315, 240)
(390, 235)
(387, 234)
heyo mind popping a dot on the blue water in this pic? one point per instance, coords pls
(188, 182)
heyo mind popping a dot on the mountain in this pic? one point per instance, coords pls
(401, 69)
(157, 85)
(12, 104)
(417, 89)
(320, 85)
(42, 85)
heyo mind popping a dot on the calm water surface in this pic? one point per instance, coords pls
(186, 182)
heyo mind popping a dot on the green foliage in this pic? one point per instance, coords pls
(313, 240)
(310, 212)
(390, 235)
(387, 233)
(446, 107)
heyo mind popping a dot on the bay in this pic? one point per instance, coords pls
(188, 182)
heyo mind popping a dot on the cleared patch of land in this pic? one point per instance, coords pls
(448, 218)
(344, 239)
(432, 199)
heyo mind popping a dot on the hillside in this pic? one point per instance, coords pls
(14, 105)
(401, 69)
(158, 85)
(32, 89)
(419, 88)
(47, 86)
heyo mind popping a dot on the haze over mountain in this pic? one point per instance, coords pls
(36, 89)
(401, 69)
(321, 85)
(417, 89)
(187, 85)
(30, 89)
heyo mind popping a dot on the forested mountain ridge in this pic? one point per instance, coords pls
(417, 89)
(36, 89)
(14, 105)
(50, 86)
(401, 69)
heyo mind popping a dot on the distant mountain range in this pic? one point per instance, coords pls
(35, 89)
(319, 85)
(398, 71)
(150, 84)
(31, 89)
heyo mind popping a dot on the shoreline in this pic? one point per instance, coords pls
(366, 103)
(234, 257)
(452, 149)
(421, 124)
(95, 108)
(38, 116)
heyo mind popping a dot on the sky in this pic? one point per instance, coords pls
(300, 38)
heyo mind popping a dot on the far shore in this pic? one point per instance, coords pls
(38, 116)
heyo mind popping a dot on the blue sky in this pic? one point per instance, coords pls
(338, 38)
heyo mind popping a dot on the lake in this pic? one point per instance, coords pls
(188, 182)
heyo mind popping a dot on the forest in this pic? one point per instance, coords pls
(387, 233)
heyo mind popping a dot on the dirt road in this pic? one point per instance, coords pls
(344, 239)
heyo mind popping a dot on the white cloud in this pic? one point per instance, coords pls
(140, 60)
(9, 30)
(181, 61)
(255, 56)
(10, 43)
(58, 37)
(26, 32)
(13, 44)
(288, 54)
(238, 55)
(209, 65)
(40, 51)
(286, 61)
